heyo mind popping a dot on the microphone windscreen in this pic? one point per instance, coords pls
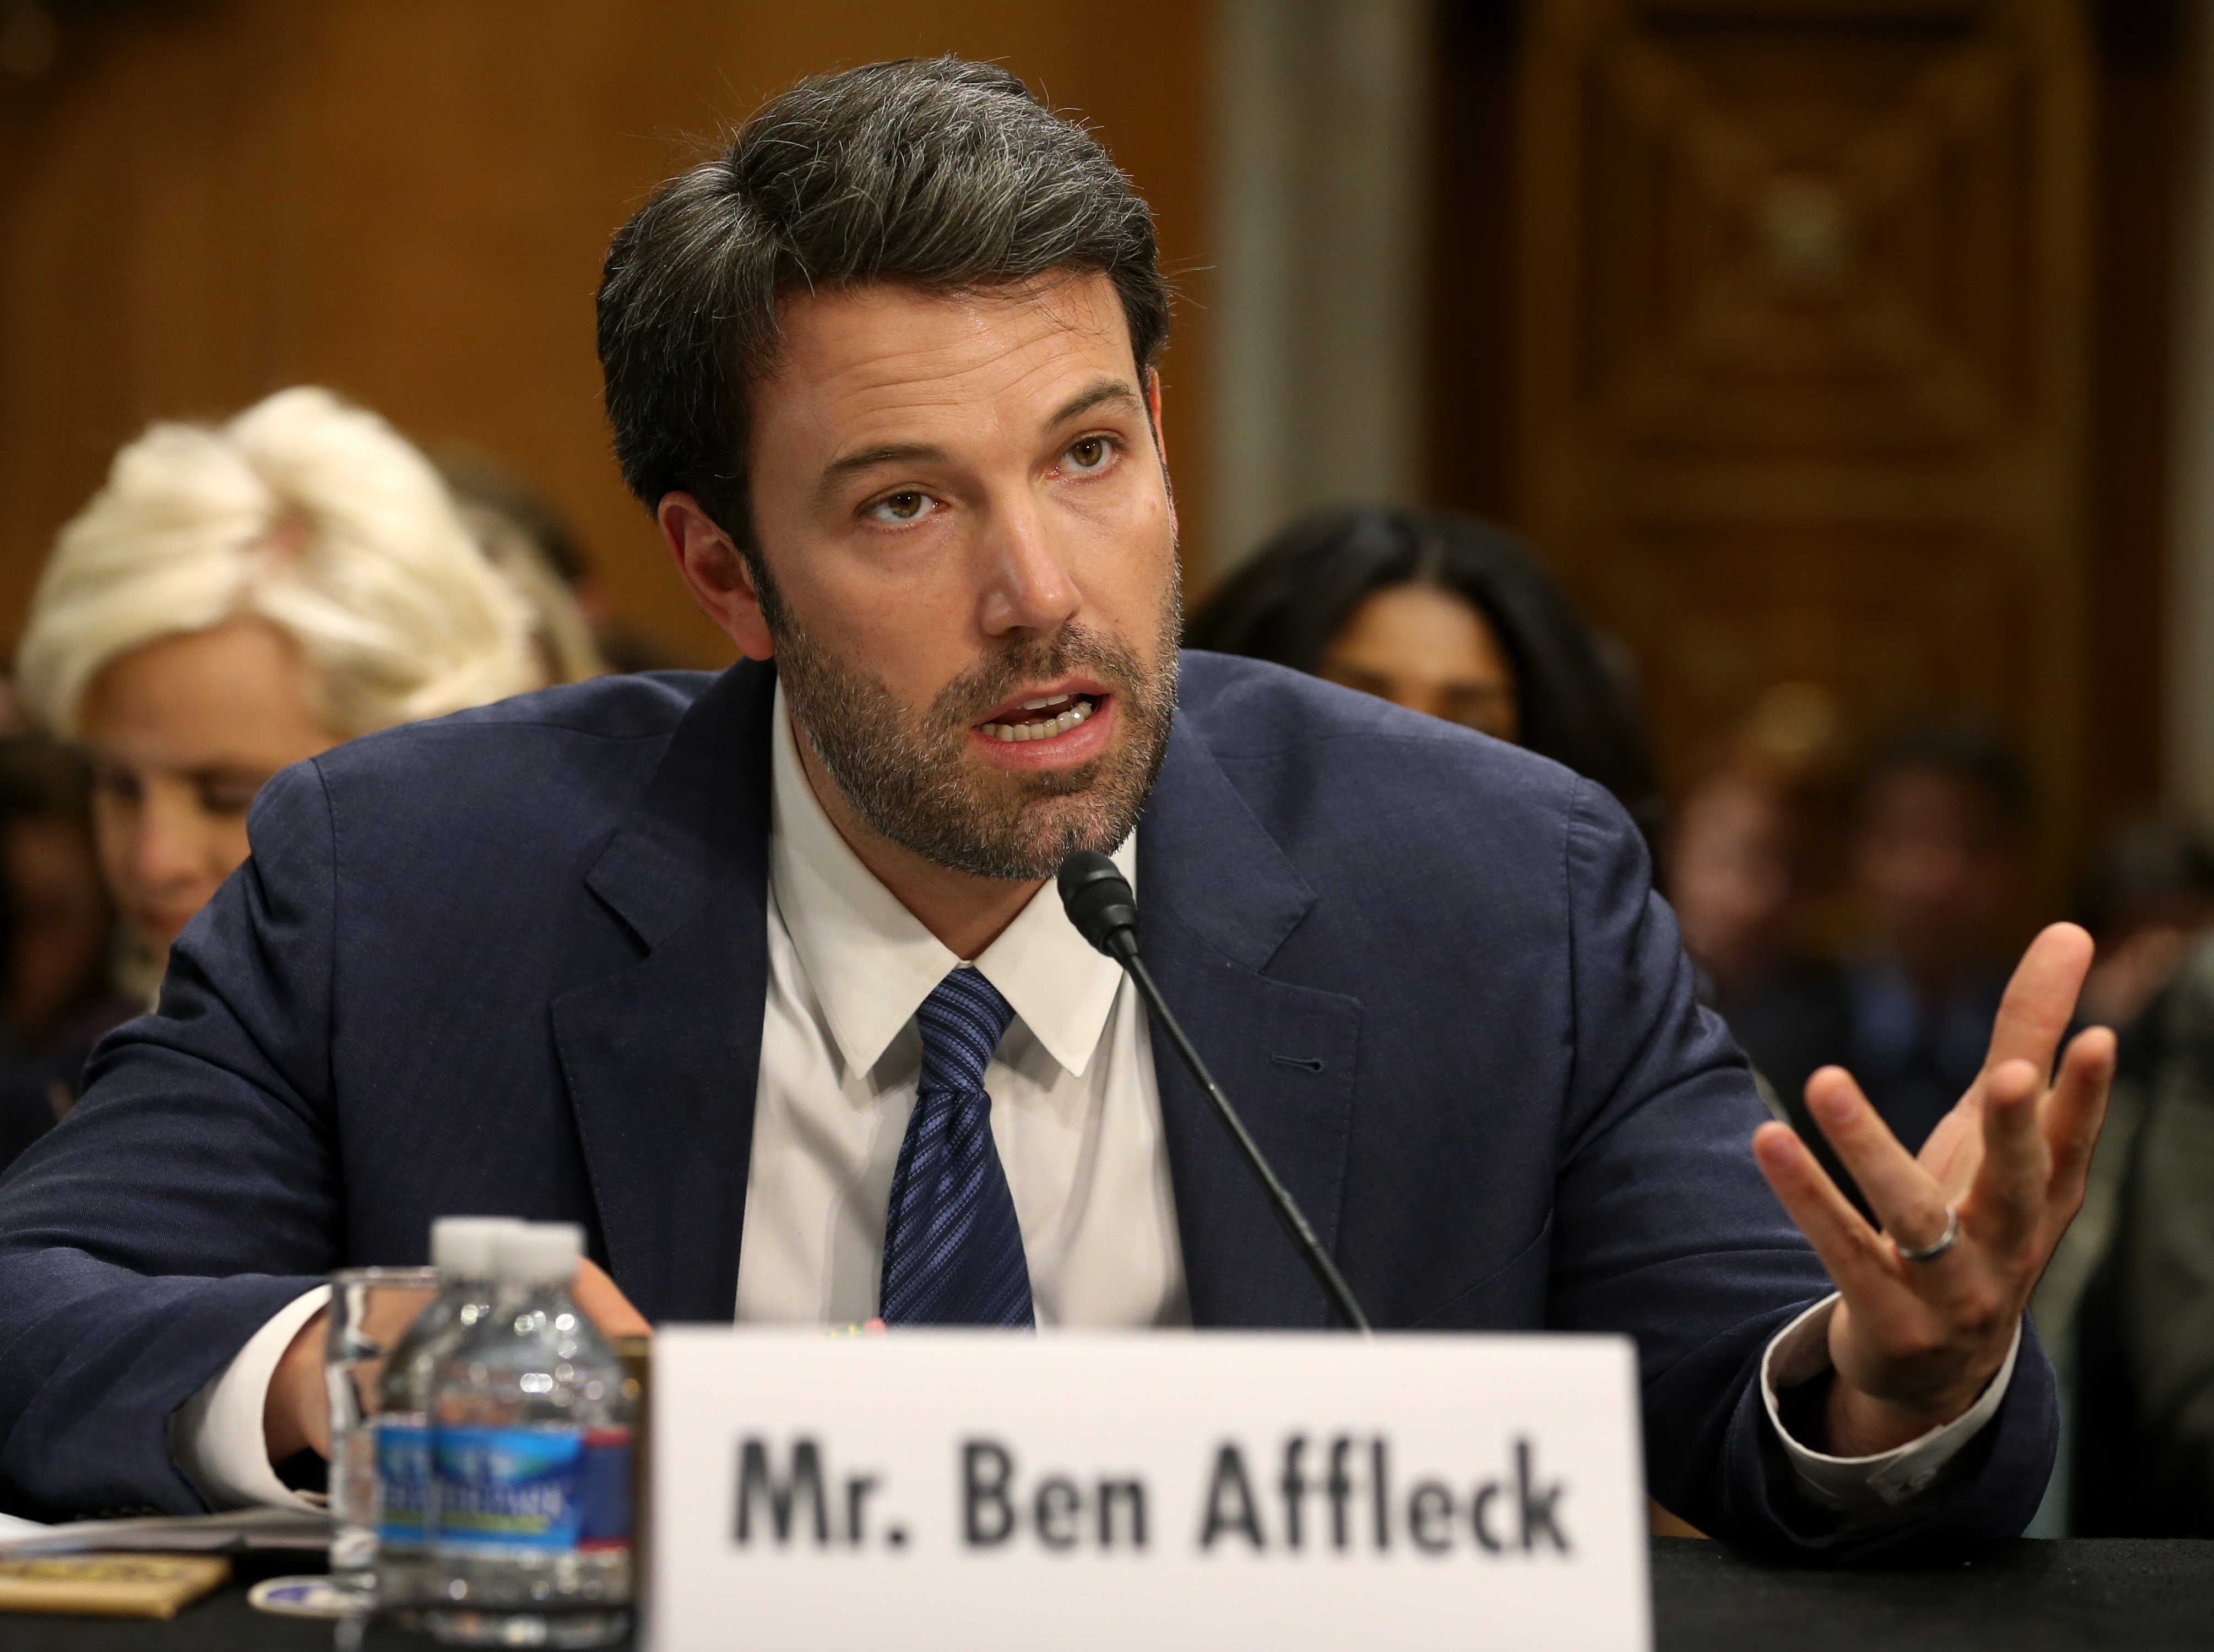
(1098, 899)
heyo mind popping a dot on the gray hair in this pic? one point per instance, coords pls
(942, 174)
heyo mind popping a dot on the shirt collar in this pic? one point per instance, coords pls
(870, 961)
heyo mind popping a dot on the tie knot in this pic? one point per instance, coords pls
(961, 1022)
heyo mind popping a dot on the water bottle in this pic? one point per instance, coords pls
(531, 1463)
(461, 1250)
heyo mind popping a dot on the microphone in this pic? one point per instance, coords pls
(1100, 903)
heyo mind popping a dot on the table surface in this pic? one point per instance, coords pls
(2144, 1595)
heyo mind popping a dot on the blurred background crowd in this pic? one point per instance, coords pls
(1795, 416)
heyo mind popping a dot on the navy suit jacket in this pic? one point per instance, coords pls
(514, 961)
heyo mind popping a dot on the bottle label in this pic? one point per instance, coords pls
(604, 1518)
(403, 1483)
(504, 1489)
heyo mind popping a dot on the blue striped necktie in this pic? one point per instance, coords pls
(953, 1254)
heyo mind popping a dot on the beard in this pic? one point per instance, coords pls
(911, 776)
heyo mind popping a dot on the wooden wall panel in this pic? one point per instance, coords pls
(2141, 113)
(1468, 463)
(409, 200)
(1804, 320)
(2140, 104)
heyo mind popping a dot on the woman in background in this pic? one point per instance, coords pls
(1443, 614)
(237, 599)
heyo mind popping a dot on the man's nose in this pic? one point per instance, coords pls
(1027, 585)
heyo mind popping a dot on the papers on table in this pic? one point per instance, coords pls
(108, 1585)
(236, 1533)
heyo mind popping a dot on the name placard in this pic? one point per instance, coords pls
(981, 1491)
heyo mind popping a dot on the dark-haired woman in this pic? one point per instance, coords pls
(1444, 615)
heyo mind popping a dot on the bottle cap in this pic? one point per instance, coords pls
(538, 1253)
(462, 1246)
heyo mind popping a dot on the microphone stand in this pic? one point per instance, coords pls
(1100, 904)
(1288, 1214)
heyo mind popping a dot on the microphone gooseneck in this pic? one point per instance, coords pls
(1100, 903)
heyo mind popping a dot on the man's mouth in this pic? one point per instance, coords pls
(1041, 720)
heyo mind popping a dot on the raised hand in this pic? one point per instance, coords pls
(1931, 1301)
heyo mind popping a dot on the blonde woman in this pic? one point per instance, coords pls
(238, 598)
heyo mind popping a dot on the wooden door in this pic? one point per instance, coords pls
(1802, 324)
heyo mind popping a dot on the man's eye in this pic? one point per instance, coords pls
(906, 506)
(1090, 454)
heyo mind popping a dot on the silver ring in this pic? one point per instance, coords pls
(1937, 1247)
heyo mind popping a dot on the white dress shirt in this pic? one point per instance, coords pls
(1075, 1116)
(1075, 1113)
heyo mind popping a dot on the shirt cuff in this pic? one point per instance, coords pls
(1888, 1482)
(217, 1436)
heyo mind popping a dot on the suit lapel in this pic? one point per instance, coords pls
(1219, 900)
(662, 1058)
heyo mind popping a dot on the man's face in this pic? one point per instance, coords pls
(970, 554)
(1935, 862)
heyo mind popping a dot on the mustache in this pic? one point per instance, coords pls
(984, 685)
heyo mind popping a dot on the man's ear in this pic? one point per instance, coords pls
(1160, 443)
(715, 572)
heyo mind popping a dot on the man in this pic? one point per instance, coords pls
(755, 977)
(1938, 823)
(1937, 852)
